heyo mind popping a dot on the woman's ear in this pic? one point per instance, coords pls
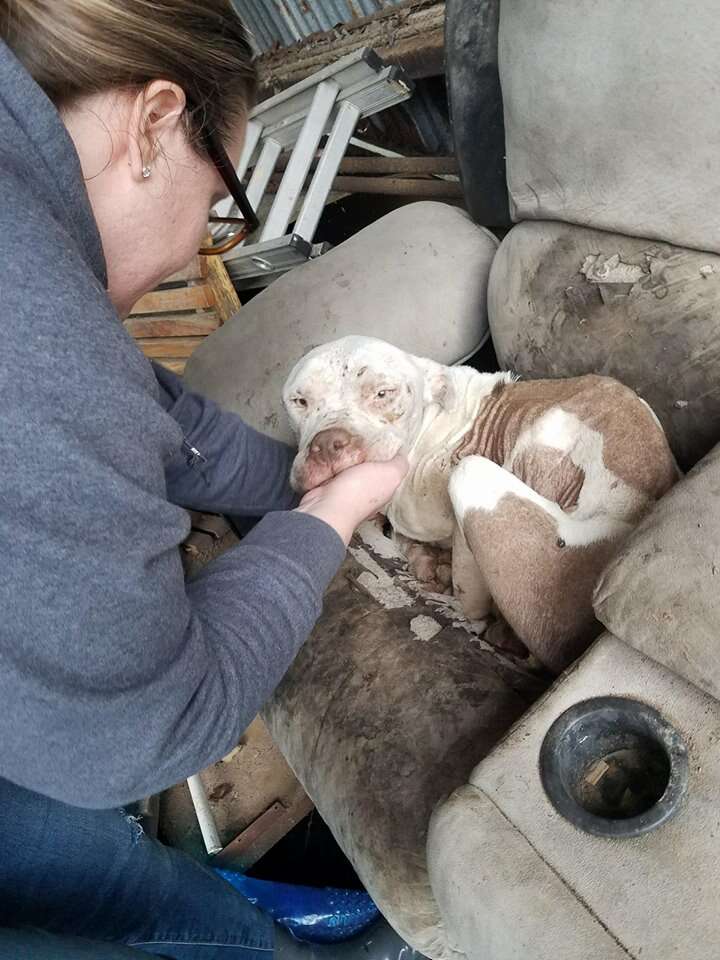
(156, 116)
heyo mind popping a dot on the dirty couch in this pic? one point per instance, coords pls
(421, 743)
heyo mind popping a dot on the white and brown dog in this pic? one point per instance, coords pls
(532, 484)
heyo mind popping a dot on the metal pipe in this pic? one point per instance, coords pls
(204, 815)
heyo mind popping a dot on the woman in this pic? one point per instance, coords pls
(116, 678)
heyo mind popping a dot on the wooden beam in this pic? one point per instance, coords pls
(226, 299)
(181, 298)
(410, 34)
(173, 325)
(263, 833)
(373, 166)
(177, 366)
(176, 348)
(391, 186)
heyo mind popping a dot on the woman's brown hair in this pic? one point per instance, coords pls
(74, 48)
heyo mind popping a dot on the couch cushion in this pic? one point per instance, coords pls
(609, 115)
(646, 313)
(515, 880)
(386, 709)
(661, 593)
(417, 278)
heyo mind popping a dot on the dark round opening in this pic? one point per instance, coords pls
(625, 781)
(614, 767)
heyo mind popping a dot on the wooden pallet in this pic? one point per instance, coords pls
(254, 796)
(172, 321)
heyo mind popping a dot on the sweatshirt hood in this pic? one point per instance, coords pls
(36, 146)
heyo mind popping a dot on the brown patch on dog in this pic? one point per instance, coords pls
(542, 588)
(635, 448)
(469, 584)
(550, 473)
(369, 389)
(390, 407)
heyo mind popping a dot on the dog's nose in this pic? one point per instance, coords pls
(328, 443)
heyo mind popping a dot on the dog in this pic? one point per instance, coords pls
(532, 484)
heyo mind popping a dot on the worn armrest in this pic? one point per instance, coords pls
(661, 593)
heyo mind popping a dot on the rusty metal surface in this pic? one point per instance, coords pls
(276, 23)
(244, 850)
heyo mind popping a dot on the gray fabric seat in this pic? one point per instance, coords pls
(509, 874)
(387, 707)
(612, 268)
(607, 118)
(651, 320)
(661, 593)
(612, 164)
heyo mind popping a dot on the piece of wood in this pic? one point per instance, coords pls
(224, 294)
(173, 325)
(195, 270)
(177, 366)
(378, 166)
(390, 186)
(263, 833)
(174, 348)
(410, 34)
(182, 298)
(170, 322)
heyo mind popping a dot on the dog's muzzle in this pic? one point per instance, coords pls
(328, 453)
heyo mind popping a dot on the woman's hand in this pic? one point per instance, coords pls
(355, 495)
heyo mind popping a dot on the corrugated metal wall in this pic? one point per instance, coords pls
(283, 22)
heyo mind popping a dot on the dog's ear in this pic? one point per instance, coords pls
(438, 384)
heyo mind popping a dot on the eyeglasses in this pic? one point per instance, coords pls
(246, 224)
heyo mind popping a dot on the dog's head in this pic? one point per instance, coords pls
(354, 400)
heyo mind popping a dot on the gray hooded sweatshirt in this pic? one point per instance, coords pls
(117, 678)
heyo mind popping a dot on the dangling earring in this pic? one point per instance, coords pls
(146, 172)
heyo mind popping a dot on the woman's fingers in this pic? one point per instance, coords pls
(355, 494)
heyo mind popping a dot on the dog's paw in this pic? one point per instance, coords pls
(501, 635)
(430, 566)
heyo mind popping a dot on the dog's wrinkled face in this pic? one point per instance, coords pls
(353, 400)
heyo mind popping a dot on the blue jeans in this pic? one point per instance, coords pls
(95, 874)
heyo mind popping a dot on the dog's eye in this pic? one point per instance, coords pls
(299, 401)
(386, 392)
